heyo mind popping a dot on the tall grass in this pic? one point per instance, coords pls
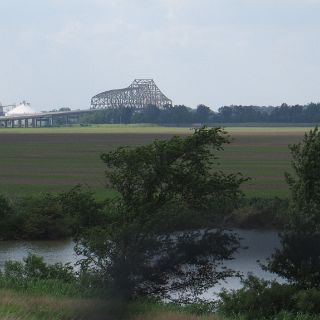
(52, 287)
(25, 305)
(18, 305)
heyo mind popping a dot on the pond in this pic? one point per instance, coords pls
(52, 251)
(260, 246)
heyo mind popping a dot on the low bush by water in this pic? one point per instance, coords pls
(260, 299)
(46, 216)
(52, 216)
(33, 289)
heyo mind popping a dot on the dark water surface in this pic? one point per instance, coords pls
(52, 251)
(260, 246)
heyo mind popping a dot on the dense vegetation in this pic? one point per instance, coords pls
(33, 289)
(132, 246)
(180, 114)
(45, 215)
(53, 215)
(260, 299)
(298, 258)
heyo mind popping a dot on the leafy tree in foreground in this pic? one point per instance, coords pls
(298, 260)
(133, 246)
(305, 184)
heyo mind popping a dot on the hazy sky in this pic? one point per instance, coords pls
(58, 53)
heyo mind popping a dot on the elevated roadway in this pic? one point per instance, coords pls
(42, 119)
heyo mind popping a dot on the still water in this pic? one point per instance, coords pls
(52, 251)
(260, 246)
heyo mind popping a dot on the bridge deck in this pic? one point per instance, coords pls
(32, 120)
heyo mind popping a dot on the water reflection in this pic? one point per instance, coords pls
(52, 251)
(260, 246)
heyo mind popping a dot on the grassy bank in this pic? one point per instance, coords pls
(15, 305)
(56, 295)
(19, 305)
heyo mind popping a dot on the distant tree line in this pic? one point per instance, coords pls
(181, 114)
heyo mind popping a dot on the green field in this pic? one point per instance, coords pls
(55, 159)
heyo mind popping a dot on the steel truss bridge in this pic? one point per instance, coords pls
(141, 93)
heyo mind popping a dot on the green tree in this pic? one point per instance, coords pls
(134, 247)
(10, 222)
(203, 113)
(298, 259)
(305, 183)
(54, 216)
(151, 114)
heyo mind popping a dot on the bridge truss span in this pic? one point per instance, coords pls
(139, 94)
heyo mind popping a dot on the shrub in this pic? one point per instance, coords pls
(298, 259)
(48, 215)
(36, 276)
(261, 213)
(43, 217)
(10, 222)
(34, 267)
(305, 183)
(260, 299)
(308, 301)
(257, 299)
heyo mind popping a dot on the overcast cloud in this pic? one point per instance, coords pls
(58, 53)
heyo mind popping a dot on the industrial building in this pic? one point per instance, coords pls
(23, 115)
